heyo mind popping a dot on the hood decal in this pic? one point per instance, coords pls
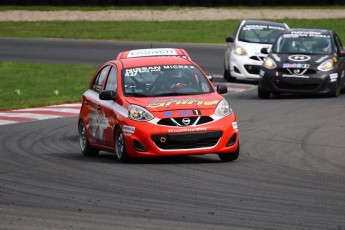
(321, 59)
(276, 57)
(166, 102)
(299, 57)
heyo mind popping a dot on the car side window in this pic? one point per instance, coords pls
(99, 80)
(112, 80)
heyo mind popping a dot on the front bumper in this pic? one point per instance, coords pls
(245, 67)
(277, 82)
(152, 140)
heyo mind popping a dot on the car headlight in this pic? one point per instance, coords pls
(326, 65)
(223, 109)
(269, 63)
(239, 50)
(139, 113)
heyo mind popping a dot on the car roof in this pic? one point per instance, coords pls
(136, 53)
(152, 61)
(262, 22)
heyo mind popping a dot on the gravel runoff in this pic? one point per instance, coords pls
(170, 15)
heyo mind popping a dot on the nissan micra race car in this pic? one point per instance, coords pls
(156, 106)
(243, 57)
(304, 61)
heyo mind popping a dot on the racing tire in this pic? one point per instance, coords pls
(335, 90)
(225, 157)
(120, 147)
(228, 77)
(262, 93)
(85, 147)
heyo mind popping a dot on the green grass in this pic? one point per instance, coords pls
(24, 85)
(178, 31)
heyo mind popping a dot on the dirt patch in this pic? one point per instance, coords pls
(169, 15)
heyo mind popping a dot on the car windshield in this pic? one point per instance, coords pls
(164, 80)
(301, 42)
(263, 34)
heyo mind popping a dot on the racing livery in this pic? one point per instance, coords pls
(304, 61)
(156, 106)
(243, 57)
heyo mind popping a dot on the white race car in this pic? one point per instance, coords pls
(243, 57)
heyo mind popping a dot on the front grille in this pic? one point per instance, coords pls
(252, 69)
(292, 71)
(187, 140)
(197, 120)
(306, 86)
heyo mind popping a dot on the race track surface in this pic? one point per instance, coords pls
(290, 173)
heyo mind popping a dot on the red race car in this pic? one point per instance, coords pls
(156, 106)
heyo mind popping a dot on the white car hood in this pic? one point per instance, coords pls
(253, 49)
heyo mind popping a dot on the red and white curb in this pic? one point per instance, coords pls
(33, 114)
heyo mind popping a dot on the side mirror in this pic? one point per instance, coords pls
(230, 39)
(209, 76)
(264, 51)
(222, 89)
(108, 95)
(342, 53)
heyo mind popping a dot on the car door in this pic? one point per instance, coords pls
(91, 104)
(108, 110)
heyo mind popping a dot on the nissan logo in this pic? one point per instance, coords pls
(299, 57)
(186, 121)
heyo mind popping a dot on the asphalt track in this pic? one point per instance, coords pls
(290, 173)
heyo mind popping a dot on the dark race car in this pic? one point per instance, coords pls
(303, 61)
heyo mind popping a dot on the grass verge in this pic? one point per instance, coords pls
(24, 85)
(168, 31)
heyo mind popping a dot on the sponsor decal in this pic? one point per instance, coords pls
(98, 123)
(152, 52)
(333, 77)
(128, 129)
(167, 113)
(295, 76)
(299, 57)
(157, 103)
(296, 65)
(186, 130)
(181, 113)
(132, 72)
(184, 112)
(261, 27)
(296, 34)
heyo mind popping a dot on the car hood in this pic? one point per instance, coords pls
(299, 60)
(253, 48)
(158, 104)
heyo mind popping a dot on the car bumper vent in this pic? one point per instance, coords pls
(187, 140)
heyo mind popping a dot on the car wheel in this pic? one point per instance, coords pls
(230, 156)
(262, 93)
(335, 89)
(228, 77)
(85, 148)
(120, 147)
